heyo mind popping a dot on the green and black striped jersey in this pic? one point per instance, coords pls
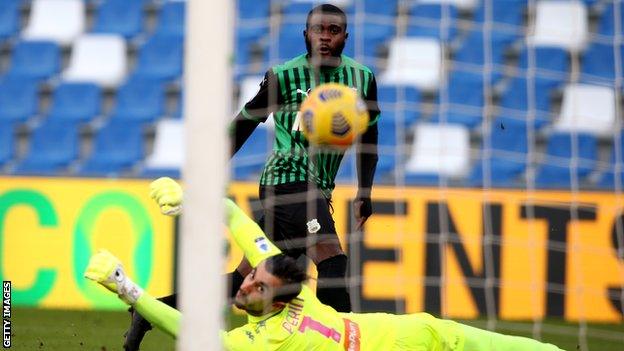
(281, 92)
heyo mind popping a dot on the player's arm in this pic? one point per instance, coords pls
(248, 235)
(255, 111)
(106, 269)
(366, 150)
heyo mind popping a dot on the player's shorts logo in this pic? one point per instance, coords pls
(313, 226)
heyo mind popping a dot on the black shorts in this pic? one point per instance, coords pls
(295, 218)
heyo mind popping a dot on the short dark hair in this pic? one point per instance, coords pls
(289, 272)
(327, 9)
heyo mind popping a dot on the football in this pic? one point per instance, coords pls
(333, 115)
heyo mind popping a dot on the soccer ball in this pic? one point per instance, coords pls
(333, 115)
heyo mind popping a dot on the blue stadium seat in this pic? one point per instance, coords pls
(389, 137)
(606, 23)
(471, 50)
(171, 18)
(7, 143)
(291, 42)
(253, 10)
(18, 99)
(117, 146)
(399, 102)
(161, 57)
(383, 8)
(433, 21)
(249, 38)
(465, 100)
(9, 19)
(508, 145)
(140, 99)
(35, 59)
(347, 172)
(556, 170)
(608, 178)
(598, 63)
(516, 97)
(53, 146)
(368, 37)
(78, 102)
(250, 159)
(555, 62)
(120, 17)
(506, 12)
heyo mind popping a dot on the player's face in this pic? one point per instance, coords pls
(255, 296)
(325, 38)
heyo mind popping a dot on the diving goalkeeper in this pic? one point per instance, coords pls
(284, 313)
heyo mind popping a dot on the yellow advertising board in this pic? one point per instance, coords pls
(50, 227)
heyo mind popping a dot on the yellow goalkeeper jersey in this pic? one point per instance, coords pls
(308, 324)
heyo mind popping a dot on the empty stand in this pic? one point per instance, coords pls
(613, 177)
(53, 146)
(171, 18)
(61, 21)
(433, 20)
(161, 57)
(18, 99)
(98, 58)
(598, 63)
(168, 154)
(78, 102)
(560, 24)
(140, 99)
(117, 146)
(569, 159)
(9, 18)
(414, 61)
(120, 17)
(7, 143)
(250, 159)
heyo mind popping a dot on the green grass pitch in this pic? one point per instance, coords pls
(37, 329)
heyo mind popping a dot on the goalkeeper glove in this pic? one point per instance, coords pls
(106, 269)
(168, 194)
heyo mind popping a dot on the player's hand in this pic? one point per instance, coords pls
(362, 208)
(168, 194)
(106, 269)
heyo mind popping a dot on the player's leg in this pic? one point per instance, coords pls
(311, 229)
(483, 340)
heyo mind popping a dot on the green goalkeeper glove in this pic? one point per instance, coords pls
(168, 194)
(106, 269)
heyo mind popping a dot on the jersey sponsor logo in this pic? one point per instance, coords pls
(352, 335)
(262, 244)
(313, 226)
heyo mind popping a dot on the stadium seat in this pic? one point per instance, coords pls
(53, 146)
(161, 57)
(7, 143)
(506, 15)
(438, 21)
(598, 63)
(380, 8)
(98, 58)
(503, 154)
(168, 155)
(120, 17)
(609, 177)
(516, 95)
(250, 159)
(78, 102)
(552, 62)
(140, 99)
(117, 146)
(438, 151)
(171, 19)
(414, 61)
(391, 134)
(561, 24)
(9, 19)
(18, 99)
(587, 109)
(253, 10)
(401, 101)
(291, 43)
(568, 157)
(35, 60)
(607, 21)
(367, 38)
(464, 100)
(61, 21)
(471, 49)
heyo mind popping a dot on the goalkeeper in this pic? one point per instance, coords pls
(276, 297)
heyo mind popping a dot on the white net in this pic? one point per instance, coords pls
(498, 189)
